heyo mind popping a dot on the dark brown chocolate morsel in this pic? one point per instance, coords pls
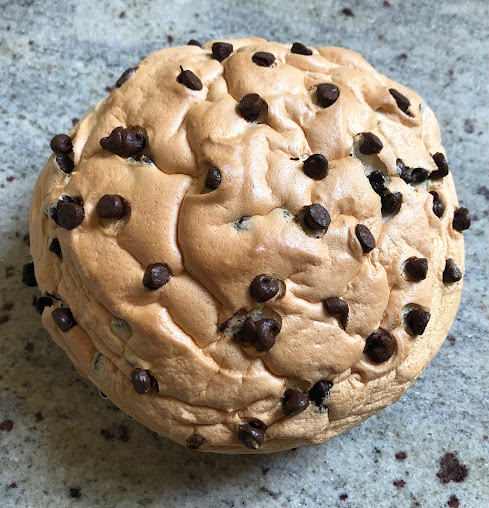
(70, 214)
(41, 303)
(124, 142)
(61, 143)
(65, 163)
(56, 248)
(365, 238)
(29, 275)
(213, 178)
(316, 217)
(390, 202)
(401, 100)
(452, 272)
(247, 333)
(417, 268)
(195, 441)
(438, 205)
(417, 320)
(190, 80)
(128, 73)
(461, 219)
(252, 434)
(111, 206)
(221, 50)
(378, 181)
(371, 144)
(327, 94)
(63, 318)
(250, 106)
(338, 308)
(299, 49)
(141, 381)
(320, 392)
(263, 59)
(419, 175)
(403, 172)
(316, 166)
(379, 347)
(156, 276)
(441, 164)
(264, 288)
(266, 333)
(294, 402)
(194, 42)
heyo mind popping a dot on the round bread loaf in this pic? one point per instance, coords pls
(250, 246)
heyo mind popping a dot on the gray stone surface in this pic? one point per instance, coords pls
(56, 445)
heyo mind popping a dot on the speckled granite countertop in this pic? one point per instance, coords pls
(61, 444)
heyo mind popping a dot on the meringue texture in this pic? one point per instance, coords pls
(257, 246)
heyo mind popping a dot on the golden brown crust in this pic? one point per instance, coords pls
(208, 382)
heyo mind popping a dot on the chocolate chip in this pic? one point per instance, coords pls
(63, 318)
(56, 248)
(294, 402)
(401, 100)
(194, 42)
(441, 164)
(221, 50)
(327, 94)
(378, 181)
(371, 144)
(128, 73)
(379, 346)
(320, 392)
(403, 172)
(247, 332)
(365, 237)
(438, 205)
(316, 166)
(156, 276)
(190, 80)
(317, 217)
(299, 49)
(263, 288)
(266, 333)
(64, 163)
(195, 441)
(461, 219)
(124, 142)
(252, 434)
(338, 308)
(213, 178)
(263, 59)
(41, 303)
(70, 215)
(452, 272)
(141, 381)
(28, 275)
(111, 206)
(54, 211)
(417, 268)
(390, 202)
(419, 175)
(417, 320)
(61, 143)
(250, 106)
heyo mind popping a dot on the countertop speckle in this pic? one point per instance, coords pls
(63, 445)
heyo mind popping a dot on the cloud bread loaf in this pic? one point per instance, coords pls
(250, 246)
